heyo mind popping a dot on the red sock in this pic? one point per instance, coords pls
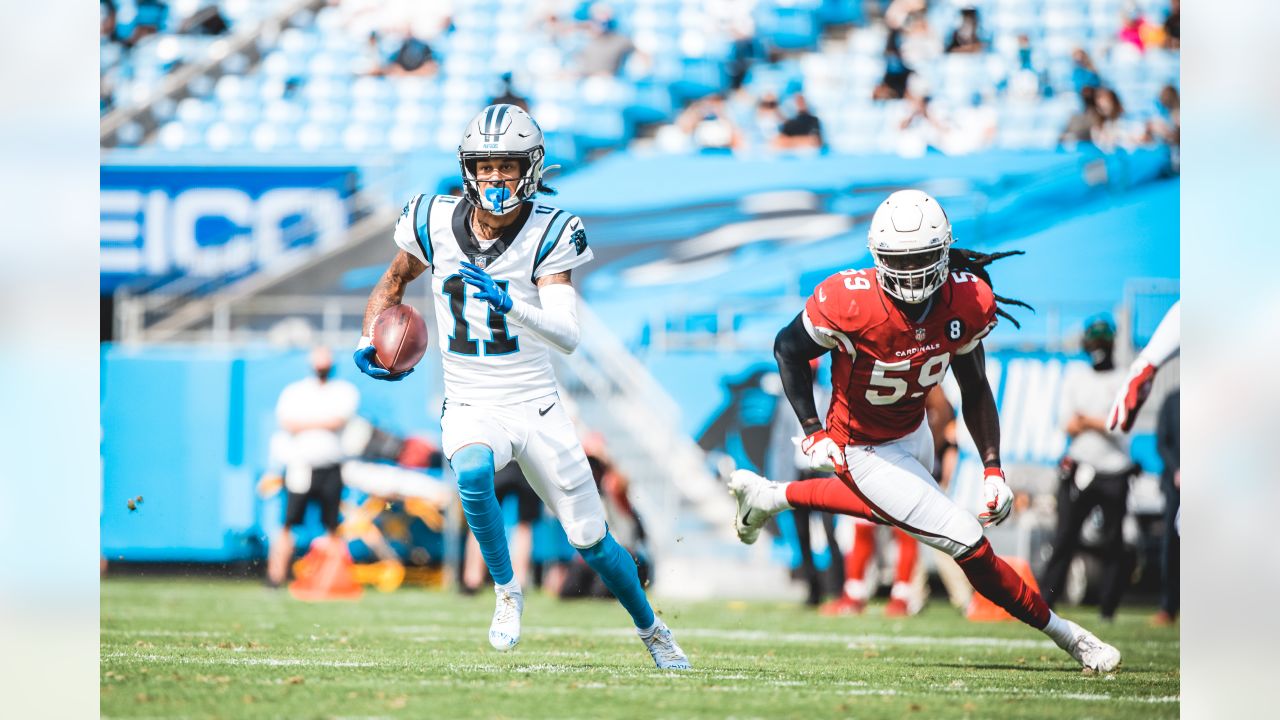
(908, 551)
(828, 495)
(864, 546)
(998, 583)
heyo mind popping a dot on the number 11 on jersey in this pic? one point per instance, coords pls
(502, 343)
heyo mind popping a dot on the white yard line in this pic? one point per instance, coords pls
(240, 660)
(439, 632)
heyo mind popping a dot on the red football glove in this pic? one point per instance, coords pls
(824, 454)
(1132, 394)
(996, 497)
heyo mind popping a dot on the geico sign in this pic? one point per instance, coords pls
(152, 233)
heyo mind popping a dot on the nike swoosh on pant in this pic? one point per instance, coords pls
(547, 409)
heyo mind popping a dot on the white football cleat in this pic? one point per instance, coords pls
(1091, 652)
(751, 515)
(667, 655)
(504, 631)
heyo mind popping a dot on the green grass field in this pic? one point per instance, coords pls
(206, 648)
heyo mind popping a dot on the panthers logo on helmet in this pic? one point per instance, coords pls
(579, 239)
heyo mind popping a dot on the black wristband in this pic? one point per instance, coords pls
(811, 426)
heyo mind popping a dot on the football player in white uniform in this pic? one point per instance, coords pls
(1164, 344)
(500, 268)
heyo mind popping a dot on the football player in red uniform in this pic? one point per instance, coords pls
(894, 330)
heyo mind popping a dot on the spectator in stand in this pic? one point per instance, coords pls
(413, 57)
(1026, 81)
(107, 28)
(509, 96)
(946, 128)
(1084, 74)
(707, 125)
(1109, 131)
(1172, 27)
(919, 43)
(1168, 442)
(313, 411)
(765, 119)
(208, 20)
(921, 127)
(802, 131)
(1166, 124)
(893, 86)
(1095, 471)
(149, 17)
(606, 49)
(1080, 127)
(968, 37)
(1138, 32)
(744, 51)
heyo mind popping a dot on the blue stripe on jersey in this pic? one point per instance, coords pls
(551, 236)
(423, 228)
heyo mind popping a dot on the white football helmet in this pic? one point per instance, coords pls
(502, 131)
(910, 240)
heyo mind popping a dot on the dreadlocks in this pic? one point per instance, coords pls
(962, 260)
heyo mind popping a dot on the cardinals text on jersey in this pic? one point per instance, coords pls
(884, 363)
(486, 359)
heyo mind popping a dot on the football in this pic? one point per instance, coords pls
(400, 337)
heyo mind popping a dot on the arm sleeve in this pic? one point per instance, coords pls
(793, 348)
(563, 247)
(556, 321)
(411, 233)
(1166, 340)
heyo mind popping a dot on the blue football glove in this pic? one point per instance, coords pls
(490, 290)
(367, 361)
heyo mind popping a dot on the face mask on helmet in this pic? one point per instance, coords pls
(911, 276)
(498, 184)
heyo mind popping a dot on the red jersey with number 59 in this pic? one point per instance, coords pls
(883, 363)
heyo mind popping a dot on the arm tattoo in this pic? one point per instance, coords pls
(390, 288)
(560, 278)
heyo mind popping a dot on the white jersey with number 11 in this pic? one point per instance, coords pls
(487, 360)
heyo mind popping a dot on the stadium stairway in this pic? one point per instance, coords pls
(686, 509)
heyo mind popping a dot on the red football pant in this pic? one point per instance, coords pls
(998, 582)
(864, 546)
(987, 573)
(831, 495)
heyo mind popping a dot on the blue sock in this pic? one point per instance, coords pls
(618, 571)
(473, 466)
